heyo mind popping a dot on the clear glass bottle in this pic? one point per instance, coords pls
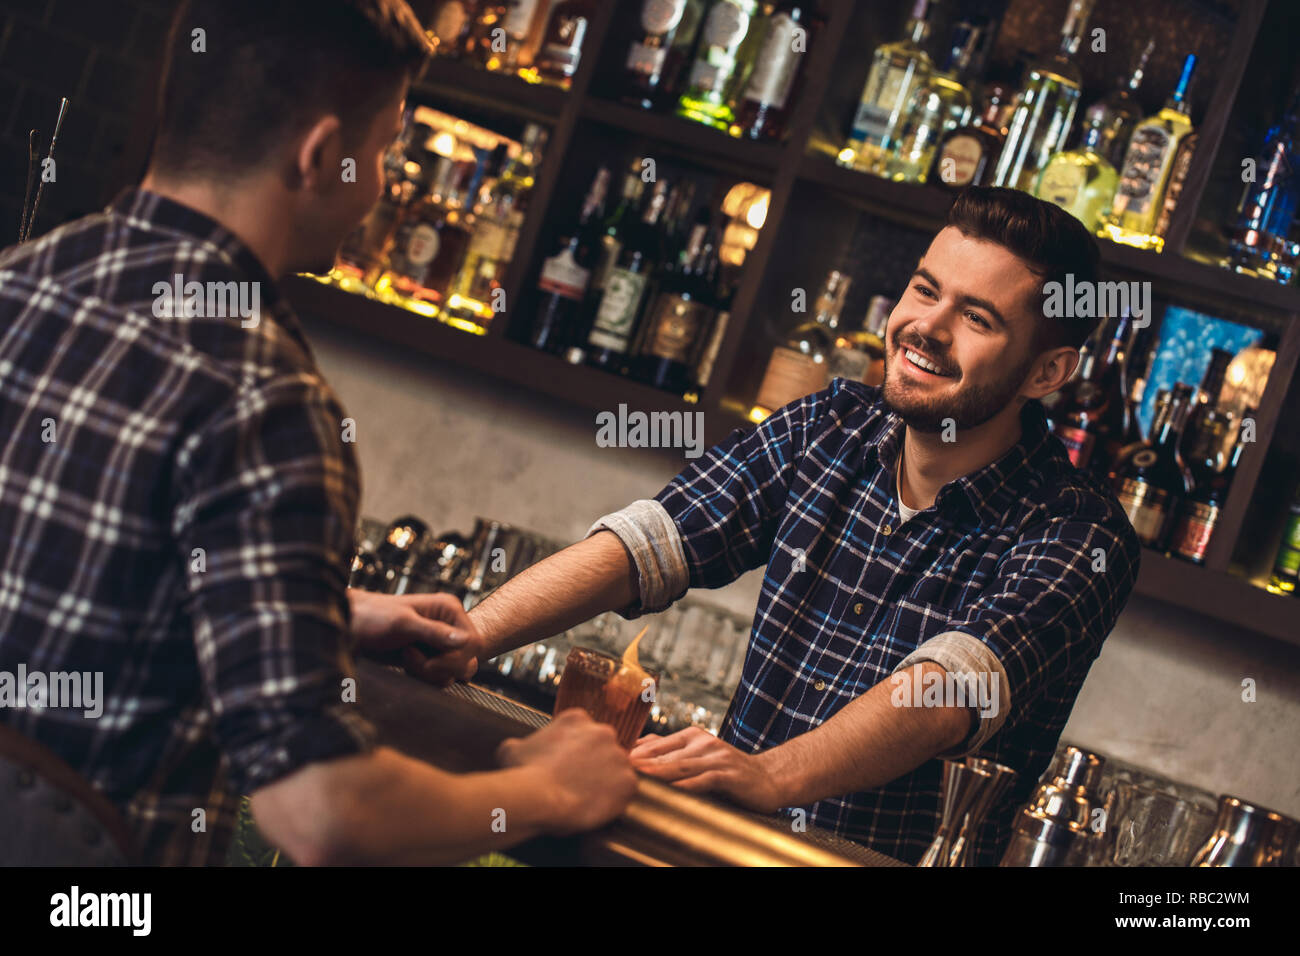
(968, 154)
(936, 107)
(656, 58)
(1081, 181)
(1119, 112)
(1147, 169)
(1267, 209)
(799, 367)
(721, 59)
(764, 105)
(1044, 116)
(561, 50)
(896, 70)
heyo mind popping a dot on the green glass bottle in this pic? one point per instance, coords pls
(1081, 181)
(721, 61)
(1049, 97)
(1286, 567)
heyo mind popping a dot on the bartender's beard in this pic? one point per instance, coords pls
(966, 406)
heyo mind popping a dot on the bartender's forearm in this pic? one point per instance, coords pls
(867, 744)
(585, 579)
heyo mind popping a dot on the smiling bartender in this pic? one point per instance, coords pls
(929, 529)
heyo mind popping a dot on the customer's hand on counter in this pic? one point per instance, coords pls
(438, 641)
(585, 777)
(695, 760)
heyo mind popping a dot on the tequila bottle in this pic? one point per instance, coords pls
(1145, 175)
(1042, 121)
(896, 70)
(1120, 112)
(1081, 181)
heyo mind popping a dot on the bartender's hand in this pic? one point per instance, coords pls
(695, 760)
(439, 642)
(585, 777)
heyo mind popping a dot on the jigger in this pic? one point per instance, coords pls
(970, 788)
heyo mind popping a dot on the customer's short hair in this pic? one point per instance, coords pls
(271, 68)
(1049, 239)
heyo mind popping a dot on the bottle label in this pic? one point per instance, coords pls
(777, 63)
(726, 25)
(645, 60)
(1195, 526)
(704, 370)
(520, 18)
(617, 312)
(660, 16)
(1177, 176)
(1062, 183)
(709, 77)
(489, 240)
(790, 376)
(562, 275)
(676, 326)
(874, 112)
(964, 151)
(450, 21)
(564, 50)
(1146, 505)
(1078, 444)
(1144, 168)
(850, 363)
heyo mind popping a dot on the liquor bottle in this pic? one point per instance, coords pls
(615, 325)
(1044, 116)
(1118, 112)
(1206, 398)
(719, 62)
(860, 356)
(449, 30)
(565, 274)
(1286, 566)
(680, 315)
(614, 230)
(657, 58)
(1081, 181)
(1146, 171)
(483, 31)
(491, 246)
(936, 107)
(1091, 425)
(896, 70)
(561, 51)
(1152, 482)
(506, 41)
(769, 94)
(967, 155)
(1211, 477)
(359, 260)
(1267, 208)
(798, 367)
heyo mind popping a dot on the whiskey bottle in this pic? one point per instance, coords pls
(566, 273)
(656, 59)
(1044, 116)
(799, 367)
(769, 94)
(1211, 477)
(561, 50)
(860, 355)
(896, 70)
(968, 155)
(1091, 425)
(721, 59)
(1148, 164)
(1152, 481)
(680, 315)
(1119, 112)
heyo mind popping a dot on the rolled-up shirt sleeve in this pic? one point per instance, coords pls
(263, 512)
(717, 519)
(1045, 615)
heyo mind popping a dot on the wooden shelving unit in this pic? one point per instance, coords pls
(794, 167)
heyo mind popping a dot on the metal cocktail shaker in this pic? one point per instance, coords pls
(970, 788)
(1249, 835)
(1053, 828)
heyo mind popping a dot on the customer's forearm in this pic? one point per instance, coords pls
(588, 578)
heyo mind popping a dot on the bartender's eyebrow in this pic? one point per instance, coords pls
(974, 300)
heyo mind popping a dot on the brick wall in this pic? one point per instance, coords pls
(104, 56)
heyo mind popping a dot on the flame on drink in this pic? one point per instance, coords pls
(629, 680)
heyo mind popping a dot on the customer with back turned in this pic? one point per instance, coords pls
(939, 576)
(177, 503)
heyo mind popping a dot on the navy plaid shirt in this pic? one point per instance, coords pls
(222, 667)
(1023, 565)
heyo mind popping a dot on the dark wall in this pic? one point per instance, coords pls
(104, 56)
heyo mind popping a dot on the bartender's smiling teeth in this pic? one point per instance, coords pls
(920, 361)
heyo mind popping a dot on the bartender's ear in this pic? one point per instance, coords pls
(1050, 371)
(317, 160)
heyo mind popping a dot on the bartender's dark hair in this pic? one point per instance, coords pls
(268, 69)
(1048, 238)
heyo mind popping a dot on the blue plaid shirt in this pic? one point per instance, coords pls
(1019, 569)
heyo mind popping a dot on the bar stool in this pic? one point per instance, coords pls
(52, 815)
